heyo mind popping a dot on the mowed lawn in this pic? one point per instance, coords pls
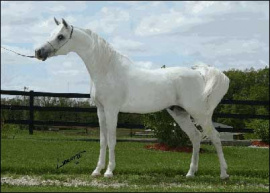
(34, 161)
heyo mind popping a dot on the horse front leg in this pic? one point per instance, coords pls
(103, 142)
(111, 122)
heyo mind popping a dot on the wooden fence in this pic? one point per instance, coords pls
(31, 108)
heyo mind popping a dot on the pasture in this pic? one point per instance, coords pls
(29, 163)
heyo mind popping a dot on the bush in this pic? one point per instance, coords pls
(165, 129)
(261, 129)
(9, 130)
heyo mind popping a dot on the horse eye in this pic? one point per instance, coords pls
(60, 37)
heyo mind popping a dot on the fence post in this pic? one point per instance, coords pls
(31, 112)
(131, 133)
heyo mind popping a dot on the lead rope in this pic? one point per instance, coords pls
(17, 53)
(54, 50)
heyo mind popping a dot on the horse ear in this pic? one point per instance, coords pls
(65, 23)
(56, 21)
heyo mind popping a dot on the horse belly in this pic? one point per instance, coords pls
(149, 99)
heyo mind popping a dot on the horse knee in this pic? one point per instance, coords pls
(195, 137)
(103, 145)
(197, 134)
(215, 137)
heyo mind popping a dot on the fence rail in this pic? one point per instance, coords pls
(31, 108)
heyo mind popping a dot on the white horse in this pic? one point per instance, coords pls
(119, 86)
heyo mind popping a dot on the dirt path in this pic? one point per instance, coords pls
(38, 181)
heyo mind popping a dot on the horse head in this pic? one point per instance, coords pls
(58, 43)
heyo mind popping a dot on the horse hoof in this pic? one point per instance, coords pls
(108, 175)
(224, 177)
(95, 174)
(190, 176)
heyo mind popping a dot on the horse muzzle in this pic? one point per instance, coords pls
(41, 54)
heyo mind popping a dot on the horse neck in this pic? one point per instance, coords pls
(99, 58)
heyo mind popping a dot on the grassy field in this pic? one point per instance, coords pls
(33, 160)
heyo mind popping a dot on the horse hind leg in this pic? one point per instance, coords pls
(184, 121)
(215, 139)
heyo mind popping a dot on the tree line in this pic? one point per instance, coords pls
(249, 84)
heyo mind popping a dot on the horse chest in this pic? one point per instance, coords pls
(107, 93)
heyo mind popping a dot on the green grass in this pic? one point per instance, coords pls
(139, 168)
(79, 133)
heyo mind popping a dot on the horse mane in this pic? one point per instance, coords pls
(104, 44)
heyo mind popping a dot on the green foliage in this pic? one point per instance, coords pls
(261, 129)
(9, 131)
(63, 116)
(165, 129)
(249, 84)
(129, 118)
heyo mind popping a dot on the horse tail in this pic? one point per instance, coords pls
(216, 86)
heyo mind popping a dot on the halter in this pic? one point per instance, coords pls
(55, 50)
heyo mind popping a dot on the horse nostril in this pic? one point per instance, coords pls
(38, 53)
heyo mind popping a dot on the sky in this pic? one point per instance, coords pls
(223, 34)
